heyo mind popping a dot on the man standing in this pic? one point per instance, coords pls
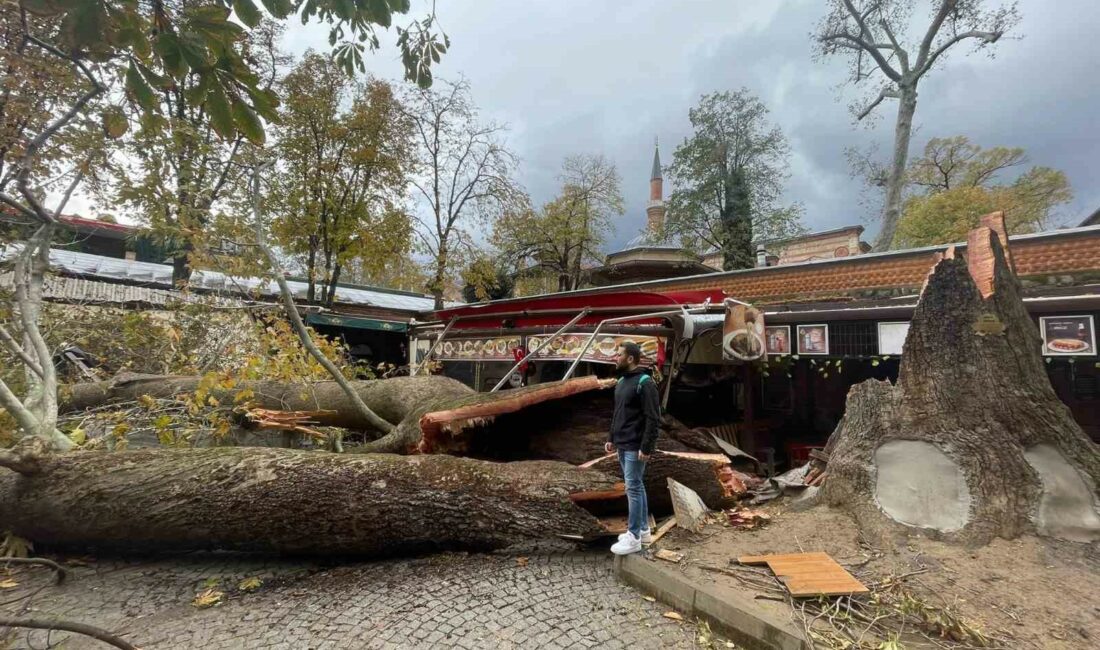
(634, 435)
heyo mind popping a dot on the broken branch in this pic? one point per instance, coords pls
(67, 626)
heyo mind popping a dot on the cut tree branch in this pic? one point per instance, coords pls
(60, 572)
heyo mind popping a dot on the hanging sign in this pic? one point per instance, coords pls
(480, 349)
(605, 349)
(1068, 335)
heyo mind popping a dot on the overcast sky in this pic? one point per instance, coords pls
(607, 76)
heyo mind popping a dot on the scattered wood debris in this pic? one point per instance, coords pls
(665, 527)
(668, 556)
(287, 420)
(746, 518)
(809, 574)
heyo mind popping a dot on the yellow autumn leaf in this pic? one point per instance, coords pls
(8, 584)
(207, 598)
(673, 615)
(250, 584)
(78, 436)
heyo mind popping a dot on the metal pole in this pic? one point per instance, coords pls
(545, 343)
(428, 356)
(681, 310)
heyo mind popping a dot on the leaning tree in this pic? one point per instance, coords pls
(971, 443)
(873, 35)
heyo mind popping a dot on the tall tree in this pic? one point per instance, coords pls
(737, 250)
(345, 150)
(463, 175)
(958, 182)
(875, 36)
(569, 231)
(732, 136)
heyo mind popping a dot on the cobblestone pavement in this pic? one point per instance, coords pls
(558, 599)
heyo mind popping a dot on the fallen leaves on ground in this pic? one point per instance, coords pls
(521, 561)
(207, 598)
(250, 584)
(676, 616)
(8, 584)
(649, 598)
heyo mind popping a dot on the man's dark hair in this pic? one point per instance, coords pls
(633, 350)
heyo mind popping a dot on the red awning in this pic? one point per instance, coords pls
(559, 309)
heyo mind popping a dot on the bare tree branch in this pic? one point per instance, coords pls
(885, 93)
(987, 37)
(67, 626)
(9, 341)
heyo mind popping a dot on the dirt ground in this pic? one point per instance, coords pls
(1024, 593)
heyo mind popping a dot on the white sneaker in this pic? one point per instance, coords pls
(647, 536)
(627, 546)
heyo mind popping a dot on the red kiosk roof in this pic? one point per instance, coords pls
(560, 308)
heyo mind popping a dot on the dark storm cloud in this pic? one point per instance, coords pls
(574, 76)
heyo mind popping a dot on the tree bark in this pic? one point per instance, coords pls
(895, 184)
(288, 501)
(710, 475)
(392, 399)
(972, 443)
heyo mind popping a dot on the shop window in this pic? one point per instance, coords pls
(853, 339)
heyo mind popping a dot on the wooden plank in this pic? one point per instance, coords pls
(809, 574)
(665, 527)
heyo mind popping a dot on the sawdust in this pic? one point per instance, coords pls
(1031, 591)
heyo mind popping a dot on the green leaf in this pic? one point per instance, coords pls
(86, 24)
(279, 8)
(115, 124)
(78, 436)
(265, 102)
(379, 12)
(875, 362)
(138, 90)
(153, 78)
(167, 46)
(193, 49)
(248, 12)
(248, 123)
(221, 117)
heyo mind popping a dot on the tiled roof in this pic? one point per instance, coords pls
(1059, 252)
(130, 271)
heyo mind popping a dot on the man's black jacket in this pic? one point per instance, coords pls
(637, 413)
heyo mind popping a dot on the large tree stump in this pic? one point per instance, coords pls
(288, 501)
(971, 443)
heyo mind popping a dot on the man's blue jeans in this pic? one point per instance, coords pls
(633, 471)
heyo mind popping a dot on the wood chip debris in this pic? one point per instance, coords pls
(668, 556)
(748, 519)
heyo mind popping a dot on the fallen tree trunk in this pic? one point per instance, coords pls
(288, 501)
(392, 399)
(971, 443)
(709, 475)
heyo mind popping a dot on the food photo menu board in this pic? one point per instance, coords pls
(604, 349)
(1068, 335)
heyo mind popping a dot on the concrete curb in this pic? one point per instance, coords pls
(725, 611)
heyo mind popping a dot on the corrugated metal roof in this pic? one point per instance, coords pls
(121, 270)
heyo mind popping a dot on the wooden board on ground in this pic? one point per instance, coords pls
(665, 527)
(612, 526)
(809, 574)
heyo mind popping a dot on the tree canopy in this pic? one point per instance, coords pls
(345, 155)
(732, 135)
(567, 233)
(957, 182)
